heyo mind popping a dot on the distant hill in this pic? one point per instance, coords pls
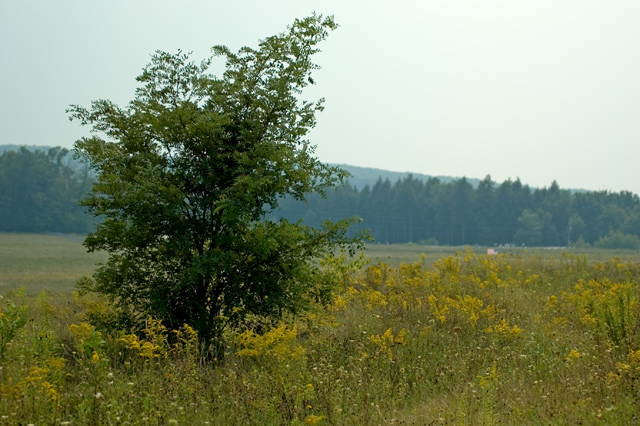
(16, 148)
(363, 176)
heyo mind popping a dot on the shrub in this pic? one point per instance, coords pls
(618, 240)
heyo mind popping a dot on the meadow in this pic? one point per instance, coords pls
(40, 262)
(451, 337)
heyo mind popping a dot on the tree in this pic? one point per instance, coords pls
(193, 166)
(576, 229)
(483, 212)
(618, 240)
(530, 229)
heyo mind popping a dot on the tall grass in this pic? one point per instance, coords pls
(467, 340)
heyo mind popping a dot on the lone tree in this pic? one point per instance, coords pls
(187, 175)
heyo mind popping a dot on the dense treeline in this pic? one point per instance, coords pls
(39, 192)
(457, 213)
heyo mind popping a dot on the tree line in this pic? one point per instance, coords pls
(40, 190)
(458, 213)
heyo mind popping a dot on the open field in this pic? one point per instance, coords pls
(44, 262)
(55, 262)
(535, 338)
(395, 254)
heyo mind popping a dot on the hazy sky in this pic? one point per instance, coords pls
(542, 90)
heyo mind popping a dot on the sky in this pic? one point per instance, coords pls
(538, 90)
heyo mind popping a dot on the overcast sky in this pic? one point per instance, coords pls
(542, 90)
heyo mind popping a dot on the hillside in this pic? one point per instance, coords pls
(362, 176)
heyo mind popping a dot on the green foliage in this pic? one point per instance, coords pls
(431, 241)
(580, 243)
(12, 319)
(457, 213)
(536, 229)
(410, 209)
(191, 169)
(618, 240)
(40, 192)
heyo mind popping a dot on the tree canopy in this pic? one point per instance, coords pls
(187, 174)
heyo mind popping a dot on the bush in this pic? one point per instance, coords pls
(431, 241)
(618, 240)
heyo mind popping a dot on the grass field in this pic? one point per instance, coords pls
(535, 337)
(55, 262)
(44, 262)
(395, 254)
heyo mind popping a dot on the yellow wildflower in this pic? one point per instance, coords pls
(573, 355)
(313, 420)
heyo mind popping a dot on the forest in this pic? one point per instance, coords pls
(40, 190)
(457, 213)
